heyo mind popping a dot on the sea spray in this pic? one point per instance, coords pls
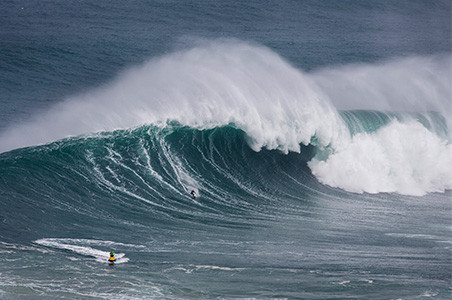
(412, 84)
(212, 85)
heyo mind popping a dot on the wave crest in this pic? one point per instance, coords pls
(211, 85)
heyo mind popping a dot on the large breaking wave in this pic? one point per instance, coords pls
(375, 128)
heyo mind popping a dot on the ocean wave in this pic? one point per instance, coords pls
(402, 146)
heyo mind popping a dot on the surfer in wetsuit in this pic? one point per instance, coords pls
(193, 194)
(112, 256)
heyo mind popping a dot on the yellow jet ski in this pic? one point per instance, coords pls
(112, 259)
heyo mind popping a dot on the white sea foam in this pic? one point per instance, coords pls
(401, 157)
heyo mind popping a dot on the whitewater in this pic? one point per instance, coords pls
(280, 107)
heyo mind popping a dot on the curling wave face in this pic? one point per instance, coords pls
(252, 89)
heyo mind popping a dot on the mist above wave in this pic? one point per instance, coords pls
(211, 85)
(410, 84)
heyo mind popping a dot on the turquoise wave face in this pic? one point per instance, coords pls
(147, 175)
(369, 121)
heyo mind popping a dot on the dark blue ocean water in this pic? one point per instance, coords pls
(316, 135)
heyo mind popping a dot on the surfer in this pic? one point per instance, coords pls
(193, 194)
(112, 256)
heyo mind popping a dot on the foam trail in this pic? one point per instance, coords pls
(74, 246)
(211, 85)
